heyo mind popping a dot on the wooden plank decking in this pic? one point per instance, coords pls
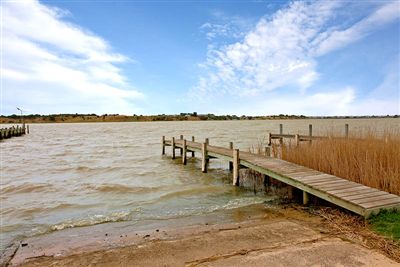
(352, 196)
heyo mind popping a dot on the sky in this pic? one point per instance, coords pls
(224, 57)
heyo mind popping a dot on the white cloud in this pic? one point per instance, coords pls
(50, 65)
(274, 54)
(335, 39)
(281, 51)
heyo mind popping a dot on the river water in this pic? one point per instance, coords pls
(69, 175)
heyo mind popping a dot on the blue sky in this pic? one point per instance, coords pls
(223, 57)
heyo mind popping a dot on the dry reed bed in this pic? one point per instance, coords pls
(369, 159)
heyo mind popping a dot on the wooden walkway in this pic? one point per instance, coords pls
(352, 196)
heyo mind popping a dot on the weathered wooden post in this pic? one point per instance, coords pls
(173, 147)
(281, 128)
(27, 128)
(346, 130)
(267, 151)
(207, 142)
(306, 198)
(193, 151)
(163, 145)
(180, 149)
(17, 131)
(204, 157)
(230, 163)
(267, 181)
(290, 192)
(297, 139)
(184, 152)
(235, 180)
(269, 140)
(310, 132)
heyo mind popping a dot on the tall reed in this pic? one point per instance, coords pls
(370, 159)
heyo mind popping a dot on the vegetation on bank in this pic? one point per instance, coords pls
(64, 118)
(387, 223)
(369, 159)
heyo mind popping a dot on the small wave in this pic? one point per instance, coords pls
(28, 188)
(29, 211)
(194, 192)
(92, 220)
(118, 188)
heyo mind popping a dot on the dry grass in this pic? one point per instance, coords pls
(357, 230)
(367, 159)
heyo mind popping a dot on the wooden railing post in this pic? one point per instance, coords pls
(269, 140)
(281, 128)
(163, 145)
(267, 151)
(173, 147)
(230, 162)
(236, 163)
(346, 130)
(193, 151)
(204, 157)
(184, 152)
(180, 149)
(297, 139)
(310, 130)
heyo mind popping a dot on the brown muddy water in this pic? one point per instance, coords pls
(70, 175)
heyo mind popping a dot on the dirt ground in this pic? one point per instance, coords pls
(252, 237)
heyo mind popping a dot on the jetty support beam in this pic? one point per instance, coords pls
(230, 162)
(163, 145)
(235, 180)
(173, 147)
(184, 152)
(306, 198)
(193, 151)
(204, 157)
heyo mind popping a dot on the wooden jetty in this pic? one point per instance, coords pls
(352, 196)
(9, 132)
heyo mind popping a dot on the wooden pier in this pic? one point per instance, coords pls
(352, 196)
(13, 131)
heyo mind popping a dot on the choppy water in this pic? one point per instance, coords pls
(69, 175)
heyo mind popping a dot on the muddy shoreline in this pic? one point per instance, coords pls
(256, 235)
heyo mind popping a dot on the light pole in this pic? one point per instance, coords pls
(22, 118)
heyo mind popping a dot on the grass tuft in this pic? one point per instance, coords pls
(387, 223)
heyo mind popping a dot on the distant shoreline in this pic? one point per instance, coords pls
(79, 118)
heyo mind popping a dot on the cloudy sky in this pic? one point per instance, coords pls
(223, 57)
